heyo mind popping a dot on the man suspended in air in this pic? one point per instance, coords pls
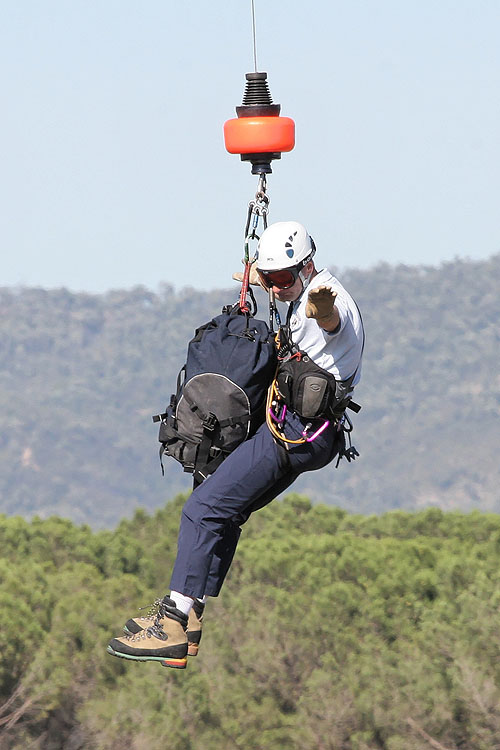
(321, 352)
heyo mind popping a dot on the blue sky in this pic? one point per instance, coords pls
(114, 171)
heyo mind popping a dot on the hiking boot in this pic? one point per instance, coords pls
(155, 616)
(194, 627)
(166, 643)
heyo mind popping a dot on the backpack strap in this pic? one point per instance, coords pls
(208, 456)
(240, 419)
(202, 455)
(181, 379)
(201, 472)
(167, 428)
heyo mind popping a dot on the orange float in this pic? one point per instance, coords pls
(259, 134)
(248, 135)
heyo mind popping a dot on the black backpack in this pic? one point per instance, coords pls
(221, 392)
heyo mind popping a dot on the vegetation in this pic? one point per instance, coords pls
(80, 376)
(333, 632)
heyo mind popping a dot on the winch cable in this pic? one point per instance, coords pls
(254, 37)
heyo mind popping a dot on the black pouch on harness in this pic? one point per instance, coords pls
(221, 392)
(310, 390)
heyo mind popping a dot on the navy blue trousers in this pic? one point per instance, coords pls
(250, 477)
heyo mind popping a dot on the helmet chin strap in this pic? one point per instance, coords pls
(305, 280)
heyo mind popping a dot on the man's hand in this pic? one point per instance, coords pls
(254, 278)
(321, 306)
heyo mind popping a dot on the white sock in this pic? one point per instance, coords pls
(184, 603)
(202, 600)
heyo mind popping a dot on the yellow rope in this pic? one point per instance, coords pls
(272, 392)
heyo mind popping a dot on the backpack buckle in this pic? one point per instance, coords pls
(209, 422)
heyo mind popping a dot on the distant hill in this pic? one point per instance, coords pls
(81, 374)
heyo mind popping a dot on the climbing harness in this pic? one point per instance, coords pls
(306, 388)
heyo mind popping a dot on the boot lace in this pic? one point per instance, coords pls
(154, 631)
(153, 610)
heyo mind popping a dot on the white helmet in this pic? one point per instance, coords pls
(284, 244)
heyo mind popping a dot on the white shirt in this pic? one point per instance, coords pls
(340, 352)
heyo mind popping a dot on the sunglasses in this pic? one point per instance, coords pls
(283, 278)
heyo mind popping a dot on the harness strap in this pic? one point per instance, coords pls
(348, 452)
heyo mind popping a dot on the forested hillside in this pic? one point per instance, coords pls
(333, 632)
(81, 375)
